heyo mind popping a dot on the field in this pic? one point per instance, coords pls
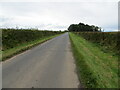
(96, 59)
(14, 41)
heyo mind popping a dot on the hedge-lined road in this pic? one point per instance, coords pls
(49, 65)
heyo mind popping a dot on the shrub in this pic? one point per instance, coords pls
(110, 40)
(13, 37)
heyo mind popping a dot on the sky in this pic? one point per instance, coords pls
(58, 14)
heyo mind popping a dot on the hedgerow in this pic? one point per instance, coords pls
(13, 37)
(109, 40)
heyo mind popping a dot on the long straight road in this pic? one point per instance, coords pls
(48, 65)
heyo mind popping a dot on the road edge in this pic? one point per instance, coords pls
(27, 48)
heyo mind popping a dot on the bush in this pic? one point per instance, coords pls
(110, 40)
(13, 37)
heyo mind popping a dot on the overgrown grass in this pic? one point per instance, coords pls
(108, 40)
(24, 46)
(96, 69)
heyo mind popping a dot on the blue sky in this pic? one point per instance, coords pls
(59, 15)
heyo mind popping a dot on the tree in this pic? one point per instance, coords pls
(73, 27)
(81, 27)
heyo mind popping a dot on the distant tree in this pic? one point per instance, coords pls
(73, 27)
(81, 27)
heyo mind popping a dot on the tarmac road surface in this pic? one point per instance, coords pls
(48, 65)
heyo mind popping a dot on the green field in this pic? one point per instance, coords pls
(96, 69)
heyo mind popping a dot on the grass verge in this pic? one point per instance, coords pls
(25, 46)
(96, 69)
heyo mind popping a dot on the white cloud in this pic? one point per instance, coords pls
(59, 15)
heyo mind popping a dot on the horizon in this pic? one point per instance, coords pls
(58, 15)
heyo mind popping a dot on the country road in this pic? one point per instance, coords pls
(48, 65)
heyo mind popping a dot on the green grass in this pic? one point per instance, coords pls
(96, 69)
(13, 51)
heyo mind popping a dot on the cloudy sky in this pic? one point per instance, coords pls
(58, 15)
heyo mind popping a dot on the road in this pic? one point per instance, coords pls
(48, 65)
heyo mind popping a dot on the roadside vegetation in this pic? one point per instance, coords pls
(17, 40)
(96, 57)
(108, 41)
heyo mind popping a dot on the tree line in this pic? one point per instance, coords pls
(81, 27)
